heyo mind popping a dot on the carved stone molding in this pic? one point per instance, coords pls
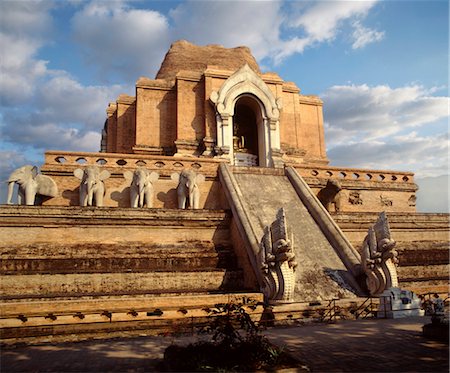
(278, 260)
(379, 258)
(245, 80)
(247, 83)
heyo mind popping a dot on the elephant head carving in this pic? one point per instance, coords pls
(31, 184)
(188, 191)
(92, 188)
(141, 188)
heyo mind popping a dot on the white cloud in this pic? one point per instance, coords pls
(322, 19)
(24, 26)
(433, 194)
(424, 155)
(363, 35)
(66, 115)
(45, 135)
(118, 39)
(11, 160)
(43, 108)
(63, 99)
(255, 24)
(18, 70)
(122, 40)
(356, 112)
(26, 18)
(387, 128)
(320, 22)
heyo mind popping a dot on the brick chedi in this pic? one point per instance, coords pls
(212, 185)
(175, 113)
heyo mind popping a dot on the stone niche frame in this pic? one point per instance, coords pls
(246, 83)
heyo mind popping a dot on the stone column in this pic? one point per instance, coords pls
(275, 147)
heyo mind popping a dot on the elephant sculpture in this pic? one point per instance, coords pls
(188, 191)
(141, 188)
(31, 185)
(92, 188)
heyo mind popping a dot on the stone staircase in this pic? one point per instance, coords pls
(328, 264)
(96, 270)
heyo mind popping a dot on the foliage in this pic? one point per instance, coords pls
(236, 345)
(230, 324)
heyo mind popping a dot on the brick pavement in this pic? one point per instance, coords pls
(347, 346)
(365, 346)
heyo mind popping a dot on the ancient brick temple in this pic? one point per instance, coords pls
(212, 185)
(209, 101)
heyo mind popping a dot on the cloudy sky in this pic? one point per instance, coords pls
(381, 68)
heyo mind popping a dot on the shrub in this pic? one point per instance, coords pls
(236, 345)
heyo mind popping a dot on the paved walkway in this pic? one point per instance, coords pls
(365, 346)
(347, 346)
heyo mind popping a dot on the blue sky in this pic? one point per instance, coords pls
(381, 68)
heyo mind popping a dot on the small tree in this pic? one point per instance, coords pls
(236, 344)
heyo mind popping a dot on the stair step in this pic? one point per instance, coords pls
(120, 282)
(28, 318)
(420, 273)
(136, 257)
(99, 250)
(180, 261)
(422, 253)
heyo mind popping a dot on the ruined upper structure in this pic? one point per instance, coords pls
(214, 102)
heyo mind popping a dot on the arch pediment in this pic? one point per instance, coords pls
(245, 81)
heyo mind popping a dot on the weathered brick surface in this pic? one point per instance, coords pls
(183, 55)
(176, 106)
(422, 245)
(117, 192)
(73, 251)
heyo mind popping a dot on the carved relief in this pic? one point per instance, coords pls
(246, 82)
(385, 201)
(278, 260)
(379, 258)
(328, 196)
(355, 198)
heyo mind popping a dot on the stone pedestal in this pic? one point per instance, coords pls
(208, 143)
(186, 148)
(146, 149)
(396, 303)
(245, 159)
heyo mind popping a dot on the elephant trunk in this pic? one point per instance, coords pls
(10, 191)
(141, 188)
(191, 188)
(90, 190)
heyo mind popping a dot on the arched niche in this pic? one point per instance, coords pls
(246, 89)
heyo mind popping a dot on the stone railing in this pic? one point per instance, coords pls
(56, 160)
(69, 160)
(355, 174)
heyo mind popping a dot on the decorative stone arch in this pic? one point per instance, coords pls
(246, 83)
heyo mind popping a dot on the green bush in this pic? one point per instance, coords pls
(236, 345)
